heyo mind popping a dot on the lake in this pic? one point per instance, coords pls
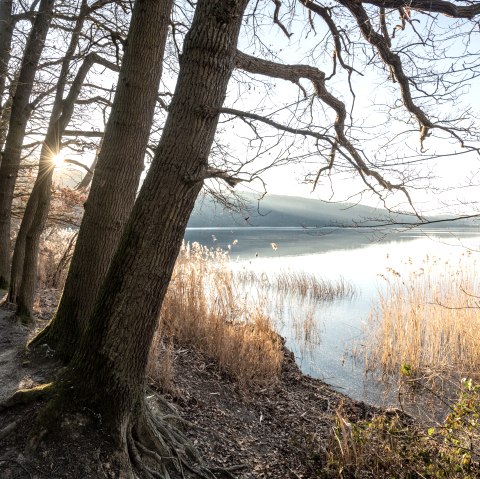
(360, 257)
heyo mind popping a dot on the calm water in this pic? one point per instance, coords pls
(359, 258)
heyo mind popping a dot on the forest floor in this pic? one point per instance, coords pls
(280, 431)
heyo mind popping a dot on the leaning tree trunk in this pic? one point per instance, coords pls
(87, 179)
(117, 174)
(107, 373)
(5, 116)
(18, 121)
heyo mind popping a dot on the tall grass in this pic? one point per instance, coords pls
(202, 309)
(225, 312)
(428, 319)
(299, 283)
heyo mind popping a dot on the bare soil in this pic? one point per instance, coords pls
(279, 431)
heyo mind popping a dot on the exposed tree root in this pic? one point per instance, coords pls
(8, 429)
(23, 397)
(152, 446)
(159, 450)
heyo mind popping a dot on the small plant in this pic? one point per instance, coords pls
(391, 446)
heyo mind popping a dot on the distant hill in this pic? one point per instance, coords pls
(288, 211)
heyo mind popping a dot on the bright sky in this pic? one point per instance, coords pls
(375, 93)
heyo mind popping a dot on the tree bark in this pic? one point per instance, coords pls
(87, 179)
(6, 31)
(107, 373)
(25, 255)
(117, 174)
(16, 131)
(5, 116)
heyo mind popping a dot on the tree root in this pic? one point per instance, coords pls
(159, 450)
(8, 429)
(18, 464)
(24, 397)
(151, 446)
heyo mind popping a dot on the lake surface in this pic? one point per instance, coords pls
(360, 257)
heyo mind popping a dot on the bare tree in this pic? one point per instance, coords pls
(107, 372)
(117, 174)
(20, 112)
(25, 255)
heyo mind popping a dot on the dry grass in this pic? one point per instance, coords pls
(203, 309)
(298, 283)
(56, 250)
(428, 319)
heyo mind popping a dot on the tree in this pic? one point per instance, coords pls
(20, 113)
(25, 255)
(117, 174)
(6, 33)
(108, 369)
(107, 372)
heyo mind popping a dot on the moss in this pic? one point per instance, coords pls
(28, 396)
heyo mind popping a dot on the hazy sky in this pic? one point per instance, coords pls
(376, 102)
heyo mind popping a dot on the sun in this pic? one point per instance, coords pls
(58, 159)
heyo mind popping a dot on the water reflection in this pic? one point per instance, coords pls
(324, 336)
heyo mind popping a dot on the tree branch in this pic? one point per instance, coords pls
(294, 73)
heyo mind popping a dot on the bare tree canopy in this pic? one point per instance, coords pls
(375, 92)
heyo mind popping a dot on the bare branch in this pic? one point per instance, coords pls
(294, 73)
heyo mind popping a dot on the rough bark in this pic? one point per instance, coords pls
(107, 373)
(5, 116)
(6, 31)
(25, 255)
(117, 173)
(18, 121)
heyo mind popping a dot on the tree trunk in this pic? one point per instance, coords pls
(107, 373)
(24, 262)
(5, 116)
(16, 131)
(117, 174)
(6, 31)
(87, 179)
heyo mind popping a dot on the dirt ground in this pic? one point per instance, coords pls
(280, 431)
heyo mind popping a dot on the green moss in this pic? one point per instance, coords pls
(28, 396)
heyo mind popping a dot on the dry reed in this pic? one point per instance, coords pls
(428, 320)
(203, 309)
(298, 283)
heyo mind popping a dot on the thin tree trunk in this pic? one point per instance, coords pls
(117, 174)
(25, 255)
(7, 24)
(5, 117)
(107, 373)
(19, 116)
(87, 179)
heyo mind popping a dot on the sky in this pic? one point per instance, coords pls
(375, 93)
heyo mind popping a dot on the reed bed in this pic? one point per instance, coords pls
(203, 309)
(222, 311)
(298, 283)
(428, 319)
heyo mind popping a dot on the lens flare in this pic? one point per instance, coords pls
(58, 159)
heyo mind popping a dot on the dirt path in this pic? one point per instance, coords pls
(17, 371)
